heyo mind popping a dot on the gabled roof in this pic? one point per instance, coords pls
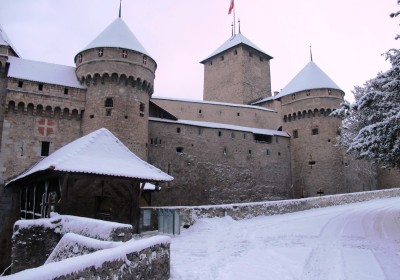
(5, 41)
(99, 152)
(117, 35)
(236, 40)
(42, 72)
(253, 130)
(310, 77)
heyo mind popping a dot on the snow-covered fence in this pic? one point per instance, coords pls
(190, 214)
(34, 240)
(136, 259)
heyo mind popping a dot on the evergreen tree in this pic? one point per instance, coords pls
(371, 126)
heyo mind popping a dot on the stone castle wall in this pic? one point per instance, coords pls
(250, 116)
(213, 166)
(238, 75)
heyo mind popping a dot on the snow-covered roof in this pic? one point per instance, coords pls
(236, 40)
(5, 41)
(42, 72)
(117, 35)
(99, 152)
(225, 126)
(310, 77)
(212, 103)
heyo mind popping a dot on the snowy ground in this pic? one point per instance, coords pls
(355, 241)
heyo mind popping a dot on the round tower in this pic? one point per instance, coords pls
(119, 75)
(317, 163)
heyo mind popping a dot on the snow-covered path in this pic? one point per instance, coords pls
(355, 241)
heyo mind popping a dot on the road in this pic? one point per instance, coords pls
(354, 241)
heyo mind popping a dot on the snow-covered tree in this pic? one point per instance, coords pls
(371, 126)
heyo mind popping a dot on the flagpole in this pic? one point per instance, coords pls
(234, 21)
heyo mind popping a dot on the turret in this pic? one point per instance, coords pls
(307, 101)
(119, 75)
(237, 72)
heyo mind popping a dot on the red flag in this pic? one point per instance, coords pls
(231, 7)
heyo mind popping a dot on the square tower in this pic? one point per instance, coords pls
(237, 72)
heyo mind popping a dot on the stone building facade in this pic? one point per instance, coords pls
(241, 144)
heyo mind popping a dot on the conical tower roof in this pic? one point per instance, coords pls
(310, 77)
(5, 41)
(236, 40)
(117, 35)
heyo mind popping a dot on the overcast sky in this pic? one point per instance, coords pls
(347, 36)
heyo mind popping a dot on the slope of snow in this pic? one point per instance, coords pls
(354, 241)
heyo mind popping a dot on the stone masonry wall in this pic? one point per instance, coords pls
(34, 240)
(203, 111)
(137, 259)
(9, 209)
(189, 215)
(213, 166)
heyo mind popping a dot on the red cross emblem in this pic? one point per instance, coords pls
(46, 127)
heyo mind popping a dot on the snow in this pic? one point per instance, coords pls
(224, 126)
(235, 40)
(310, 77)
(68, 266)
(4, 40)
(99, 152)
(42, 72)
(352, 241)
(213, 103)
(117, 35)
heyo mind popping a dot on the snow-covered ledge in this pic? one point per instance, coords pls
(136, 259)
(34, 240)
(189, 214)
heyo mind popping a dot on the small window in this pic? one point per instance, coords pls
(144, 59)
(295, 133)
(108, 112)
(178, 130)
(262, 138)
(244, 135)
(250, 54)
(268, 153)
(261, 59)
(238, 114)
(329, 91)
(233, 135)
(20, 84)
(45, 149)
(200, 131)
(222, 57)
(142, 109)
(40, 87)
(250, 152)
(65, 91)
(124, 54)
(200, 111)
(109, 103)
(210, 62)
(219, 133)
(314, 131)
(179, 150)
(235, 52)
(308, 92)
(293, 96)
(80, 58)
(101, 52)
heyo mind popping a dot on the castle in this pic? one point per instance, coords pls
(242, 143)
